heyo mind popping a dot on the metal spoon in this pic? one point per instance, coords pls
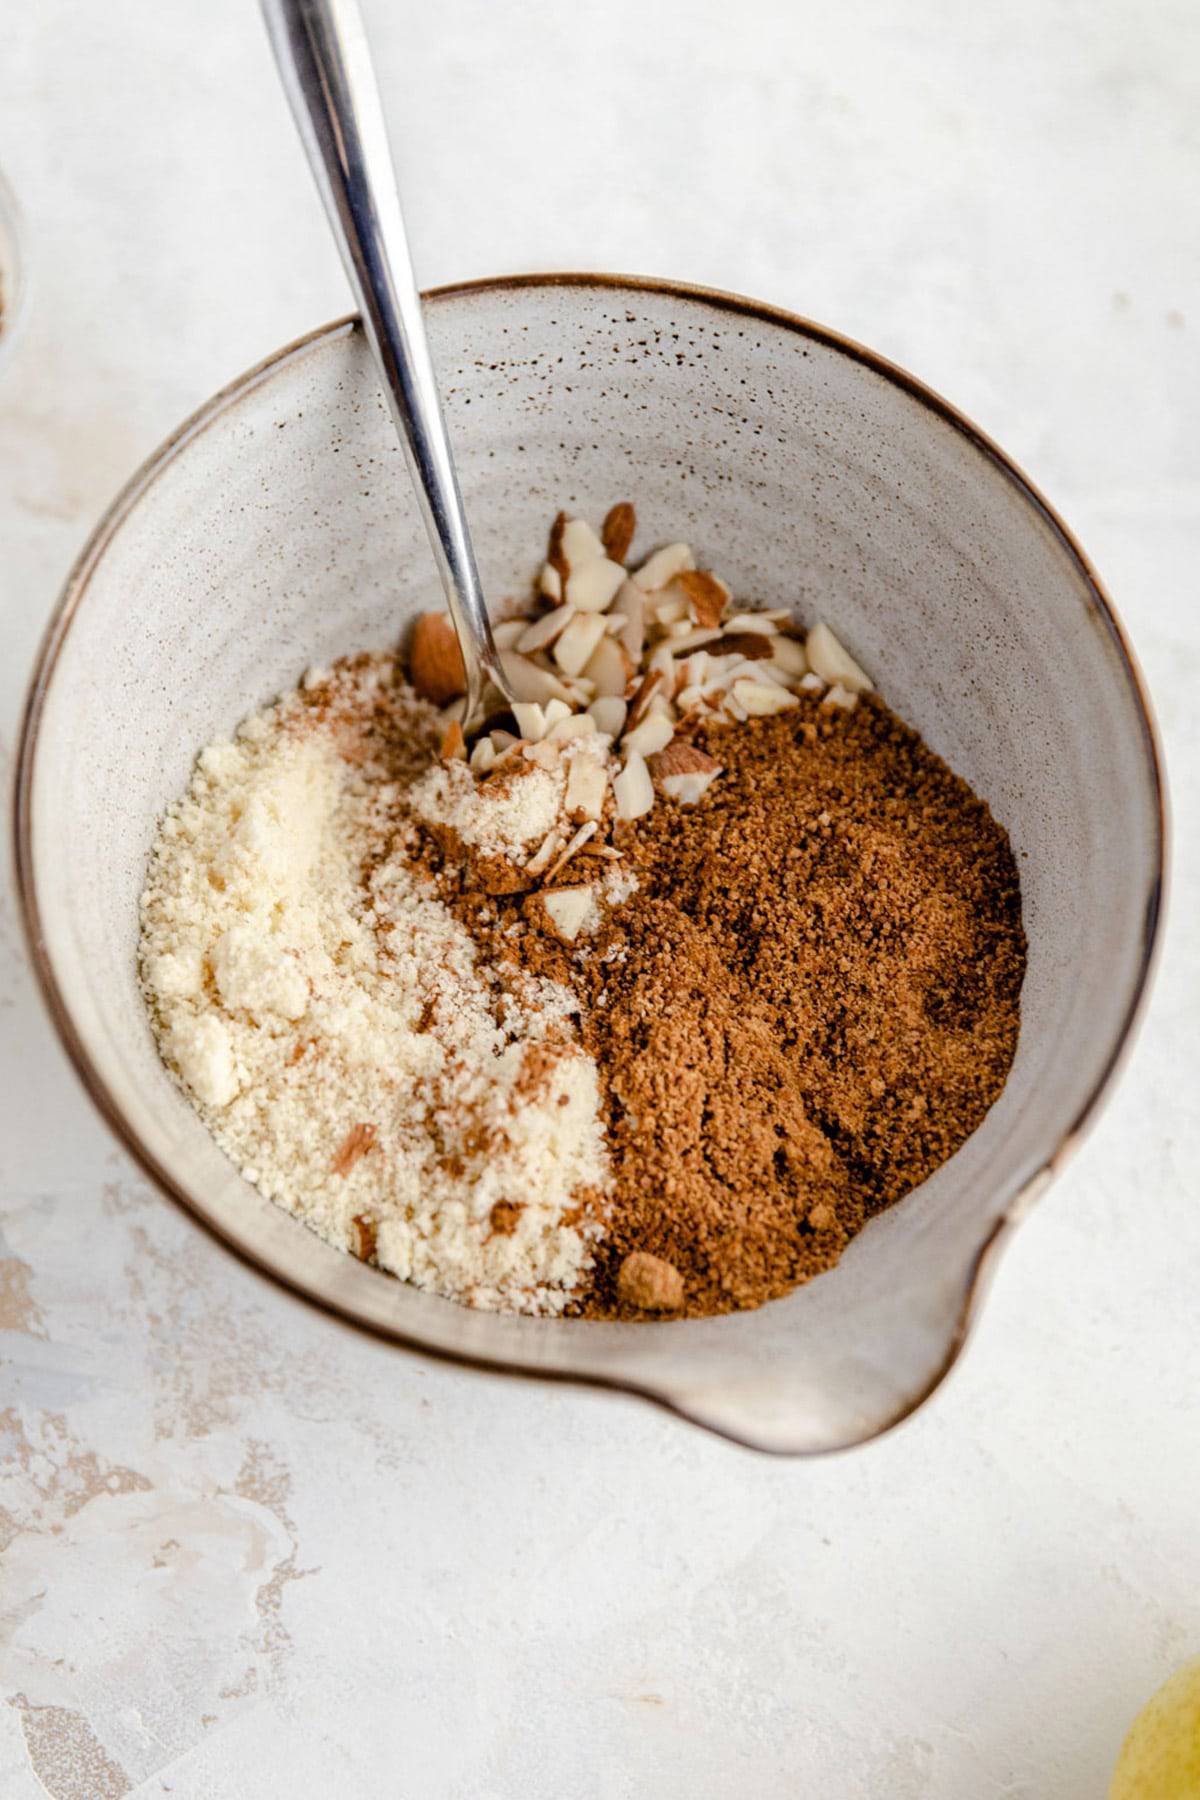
(325, 63)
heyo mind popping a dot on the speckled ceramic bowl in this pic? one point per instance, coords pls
(276, 529)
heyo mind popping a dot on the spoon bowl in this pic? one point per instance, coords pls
(815, 475)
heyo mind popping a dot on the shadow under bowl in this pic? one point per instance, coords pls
(277, 529)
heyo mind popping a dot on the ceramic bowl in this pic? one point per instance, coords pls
(276, 529)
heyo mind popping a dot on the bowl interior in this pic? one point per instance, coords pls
(278, 530)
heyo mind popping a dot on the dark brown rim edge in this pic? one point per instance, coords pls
(987, 1257)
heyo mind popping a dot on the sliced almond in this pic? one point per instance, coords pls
(550, 582)
(587, 784)
(555, 711)
(574, 648)
(664, 566)
(542, 632)
(633, 789)
(761, 698)
(572, 848)
(506, 633)
(454, 744)
(483, 756)
(706, 597)
(569, 910)
(435, 664)
(594, 586)
(609, 667)
(653, 734)
(531, 720)
(617, 531)
(811, 683)
(833, 662)
(610, 713)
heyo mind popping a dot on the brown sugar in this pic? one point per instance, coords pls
(808, 1004)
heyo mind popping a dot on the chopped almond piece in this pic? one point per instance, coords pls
(574, 648)
(663, 566)
(609, 666)
(595, 585)
(531, 720)
(544, 855)
(617, 531)
(587, 784)
(788, 655)
(654, 733)
(762, 622)
(630, 605)
(564, 911)
(681, 758)
(571, 848)
(751, 646)
(528, 681)
(761, 698)
(633, 789)
(649, 686)
(841, 696)
(580, 544)
(542, 632)
(610, 713)
(833, 662)
(707, 597)
(550, 582)
(435, 664)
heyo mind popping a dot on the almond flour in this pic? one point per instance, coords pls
(337, 1028)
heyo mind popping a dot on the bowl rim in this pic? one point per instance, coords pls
(71, 596)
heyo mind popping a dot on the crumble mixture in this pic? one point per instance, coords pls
(641, 1003)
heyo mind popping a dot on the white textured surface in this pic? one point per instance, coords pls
(252, 1554)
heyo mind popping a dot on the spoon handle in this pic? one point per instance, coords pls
(325, 63)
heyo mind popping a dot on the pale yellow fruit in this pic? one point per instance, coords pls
(1160, 1758)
